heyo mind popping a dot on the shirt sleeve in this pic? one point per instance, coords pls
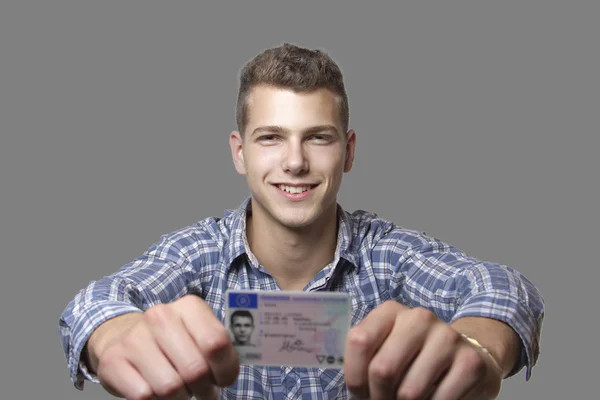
(160, 275)
(453, 285)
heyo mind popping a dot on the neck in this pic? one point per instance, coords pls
(293, 256)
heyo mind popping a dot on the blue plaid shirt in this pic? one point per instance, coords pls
(375, 260)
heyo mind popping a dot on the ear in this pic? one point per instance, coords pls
(350, 146)
(237, 153)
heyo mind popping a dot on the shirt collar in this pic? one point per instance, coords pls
(238, 242)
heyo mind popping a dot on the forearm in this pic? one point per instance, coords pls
(480, 289)
(498, 338)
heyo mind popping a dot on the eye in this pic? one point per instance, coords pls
(267, 138)
(321, 138)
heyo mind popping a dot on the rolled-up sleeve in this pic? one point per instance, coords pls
(159, 276)
(440, 277)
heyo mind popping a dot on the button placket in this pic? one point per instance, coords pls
(290, 382)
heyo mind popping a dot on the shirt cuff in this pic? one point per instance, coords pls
(510, 310)
(86, 322)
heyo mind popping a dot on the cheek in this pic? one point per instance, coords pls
(332, 164)
(258, 166)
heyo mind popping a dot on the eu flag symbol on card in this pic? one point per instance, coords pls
(243, 300)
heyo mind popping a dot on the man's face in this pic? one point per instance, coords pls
(242, 328)
(293, 154)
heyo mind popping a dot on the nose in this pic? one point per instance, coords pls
(294, 159)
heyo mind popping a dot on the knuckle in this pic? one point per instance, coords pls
(158, 315)
(109, 360)
(410, 392)
(218, 341)
(381, 370)
(390, 304)
(194, 370)
(471, 362)
(132, 341)
(169, 386)
(448, 335)
(423, 314)
(359, 337)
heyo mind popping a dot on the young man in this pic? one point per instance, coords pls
(156, 327)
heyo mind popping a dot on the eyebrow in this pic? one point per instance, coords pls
(280, 129)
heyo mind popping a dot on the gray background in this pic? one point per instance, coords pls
(477, 123)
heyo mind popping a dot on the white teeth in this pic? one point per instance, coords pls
(294, 189)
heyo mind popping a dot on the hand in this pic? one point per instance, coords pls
(171, 351)
(401, 353)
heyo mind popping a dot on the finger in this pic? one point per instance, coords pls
(121, 379)
(146, 356)
(212, 339)
(467, 369)
(395, 357)
(431, 363)
(361, 344)
(176, 343)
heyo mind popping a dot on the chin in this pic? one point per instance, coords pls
(295, 224)
(298, 221)
(293, 216)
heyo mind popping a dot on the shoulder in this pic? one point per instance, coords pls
(379, 234)
(207, 235)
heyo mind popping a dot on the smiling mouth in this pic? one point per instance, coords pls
(295, 189)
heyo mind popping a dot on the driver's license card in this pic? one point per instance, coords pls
(290, 328)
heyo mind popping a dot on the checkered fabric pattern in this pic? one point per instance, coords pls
(375, 261)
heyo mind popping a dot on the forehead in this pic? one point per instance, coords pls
(268, 105)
